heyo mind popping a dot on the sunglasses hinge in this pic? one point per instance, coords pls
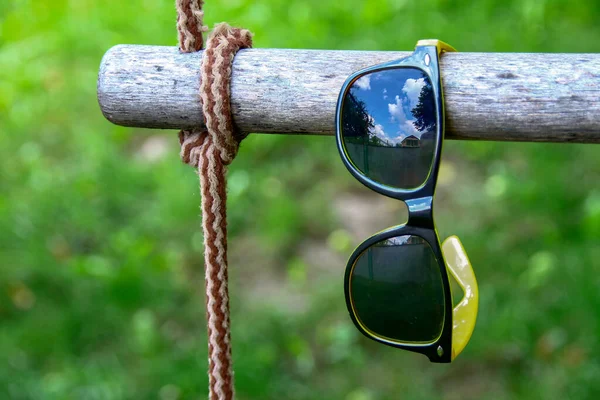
(420, 212)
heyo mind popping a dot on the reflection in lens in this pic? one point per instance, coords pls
(396, 290)
(389, 126)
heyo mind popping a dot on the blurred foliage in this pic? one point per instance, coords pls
(100, 251)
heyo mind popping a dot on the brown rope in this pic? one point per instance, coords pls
(211, 151)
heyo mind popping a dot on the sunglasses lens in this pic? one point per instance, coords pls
(389, 126)
(396, 290)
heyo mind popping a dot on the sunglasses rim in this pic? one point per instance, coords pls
(427, 348)
(415, 60)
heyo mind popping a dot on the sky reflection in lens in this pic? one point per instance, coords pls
(389, 126)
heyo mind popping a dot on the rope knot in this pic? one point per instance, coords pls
(221, 47)
(191, 146)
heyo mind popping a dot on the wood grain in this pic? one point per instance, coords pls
(489, 96)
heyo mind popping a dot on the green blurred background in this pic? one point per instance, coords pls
(101, 252)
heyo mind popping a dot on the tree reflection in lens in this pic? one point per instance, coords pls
(389, 126)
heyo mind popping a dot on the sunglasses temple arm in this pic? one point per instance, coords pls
(441, 47)
(465, 312)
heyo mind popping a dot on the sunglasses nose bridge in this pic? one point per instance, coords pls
(420, 212)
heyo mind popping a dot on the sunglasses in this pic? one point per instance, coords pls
(389, 132)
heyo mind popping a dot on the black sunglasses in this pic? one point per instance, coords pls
(389, 132)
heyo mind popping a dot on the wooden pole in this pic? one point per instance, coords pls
(488, 96)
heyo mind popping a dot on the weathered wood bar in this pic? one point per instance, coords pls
(489, 96)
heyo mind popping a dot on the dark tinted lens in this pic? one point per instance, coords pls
(389, 126)
(396, 290)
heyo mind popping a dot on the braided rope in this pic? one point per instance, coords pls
(211, 151)
(190, 25)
